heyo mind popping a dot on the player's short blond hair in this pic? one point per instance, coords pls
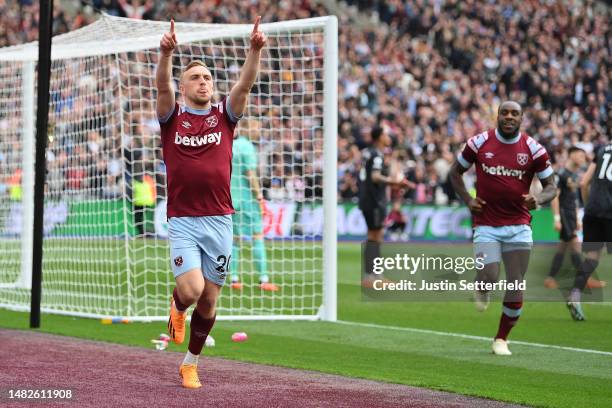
(193, 63)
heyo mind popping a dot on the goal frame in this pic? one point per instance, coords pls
(28, 55)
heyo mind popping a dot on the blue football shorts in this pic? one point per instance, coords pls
(201, 242)
(491, 242)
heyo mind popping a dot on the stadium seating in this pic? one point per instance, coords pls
(433, 74)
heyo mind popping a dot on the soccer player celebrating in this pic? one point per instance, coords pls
(197, 139)
(249, 204)
(506, 161)
(374, 178)
(597, 223)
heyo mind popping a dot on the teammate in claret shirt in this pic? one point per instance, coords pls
(197, 139)
(506, 161)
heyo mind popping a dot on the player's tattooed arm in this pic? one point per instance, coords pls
(456, 177)
(550, 190)
(548, 193)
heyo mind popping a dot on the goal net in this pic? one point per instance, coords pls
(105, 251)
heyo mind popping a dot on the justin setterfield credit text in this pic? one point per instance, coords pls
(446, 285)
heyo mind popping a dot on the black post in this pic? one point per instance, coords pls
(42, 119)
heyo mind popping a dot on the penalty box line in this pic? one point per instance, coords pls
(471, 337)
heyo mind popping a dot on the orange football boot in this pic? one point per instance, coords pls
(189, 374)
(176, 324)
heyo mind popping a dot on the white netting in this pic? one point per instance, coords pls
(104, 254)
(11, 91)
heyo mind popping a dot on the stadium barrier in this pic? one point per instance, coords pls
(105, 218)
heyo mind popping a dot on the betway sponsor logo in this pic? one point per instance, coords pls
(198, 140)
(502, 171)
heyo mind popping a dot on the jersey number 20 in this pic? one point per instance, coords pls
(225, 263)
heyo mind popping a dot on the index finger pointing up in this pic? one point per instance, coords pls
(256, 28)
(171, 26)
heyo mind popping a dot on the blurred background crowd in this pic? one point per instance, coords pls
(432, 72)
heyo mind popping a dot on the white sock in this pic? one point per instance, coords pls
(575, 295)
(191, 358)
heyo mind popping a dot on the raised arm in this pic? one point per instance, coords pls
(248, 73)
(163, 77)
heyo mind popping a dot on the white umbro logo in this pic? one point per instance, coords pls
(186, 124)
(489, 155)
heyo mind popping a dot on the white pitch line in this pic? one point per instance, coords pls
(468, 336)
(606, 304)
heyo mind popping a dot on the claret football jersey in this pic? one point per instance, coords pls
(504, 171)
(197, 151)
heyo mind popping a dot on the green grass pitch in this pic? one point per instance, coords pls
(408, 343)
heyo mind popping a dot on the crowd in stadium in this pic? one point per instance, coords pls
(431, 72)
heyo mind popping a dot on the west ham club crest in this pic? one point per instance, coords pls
(212, 121)
(522, 158)
(178, 261)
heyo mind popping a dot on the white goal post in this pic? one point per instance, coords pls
(105, 251)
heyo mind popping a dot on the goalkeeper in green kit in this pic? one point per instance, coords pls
(249, 204)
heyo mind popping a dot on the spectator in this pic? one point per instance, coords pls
(349, 189)
(433, 73)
